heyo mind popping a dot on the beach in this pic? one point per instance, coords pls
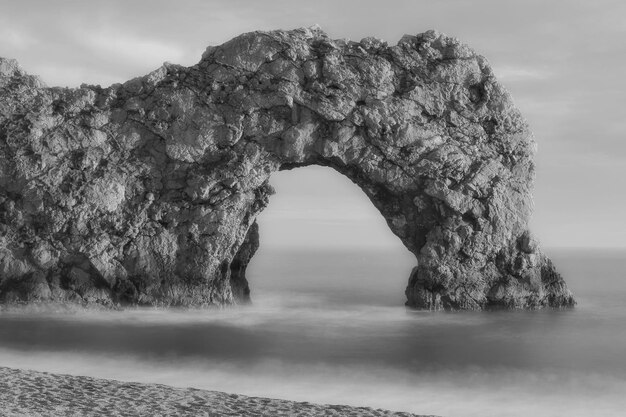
(31, 393)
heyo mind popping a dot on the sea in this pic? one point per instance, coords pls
(331, 327)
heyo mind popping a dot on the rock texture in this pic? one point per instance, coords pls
(146, 192)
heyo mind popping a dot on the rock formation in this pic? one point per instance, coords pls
(146, 192)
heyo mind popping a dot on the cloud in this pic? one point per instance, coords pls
(11, 38)
(119, 46)
(510, 73)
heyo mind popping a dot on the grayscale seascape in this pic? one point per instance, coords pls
(329, 327)
(276, 208)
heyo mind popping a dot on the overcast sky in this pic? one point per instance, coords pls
(563, 61)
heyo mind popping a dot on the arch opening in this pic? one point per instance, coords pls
(322, 237)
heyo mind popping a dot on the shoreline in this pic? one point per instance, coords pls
(34, 393)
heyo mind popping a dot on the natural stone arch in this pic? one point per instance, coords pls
(146, 192)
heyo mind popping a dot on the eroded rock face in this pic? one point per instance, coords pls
(147, 192)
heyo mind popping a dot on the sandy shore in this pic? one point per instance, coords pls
(31, 393)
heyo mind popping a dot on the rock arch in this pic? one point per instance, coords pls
(146, 192)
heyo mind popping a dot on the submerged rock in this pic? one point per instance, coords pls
(146, 192)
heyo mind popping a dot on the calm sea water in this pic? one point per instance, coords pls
(331, 328)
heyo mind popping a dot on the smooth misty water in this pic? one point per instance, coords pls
(331, 328)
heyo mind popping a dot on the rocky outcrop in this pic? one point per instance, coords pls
(146, 192)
